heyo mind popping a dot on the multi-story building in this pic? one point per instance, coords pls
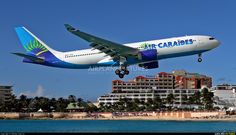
(161, 81)
(184, 80)
(178, 83)
(5, 93)
(144, 95)
(224, 87)
(224, 95)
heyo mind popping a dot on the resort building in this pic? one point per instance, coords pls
(5, 93)
(224, 95)
(161, 81)
(184, 80)
(178, 82)
(144, 95)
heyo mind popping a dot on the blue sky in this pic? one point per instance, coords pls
(121, 21)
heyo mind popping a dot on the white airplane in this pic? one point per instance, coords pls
(107, 53)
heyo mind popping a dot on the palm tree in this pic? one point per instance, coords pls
(61, 104)
(2, 106)
(90, 107)
(123, 102)
(190, 101)
(197, 98)
(80, 102)
(207, 98)
(72, 98)
(170, 99)
(22, 103)
(158, 103)
(184, 99)
(149, 104)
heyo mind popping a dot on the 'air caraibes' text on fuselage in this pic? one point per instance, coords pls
(167, 44)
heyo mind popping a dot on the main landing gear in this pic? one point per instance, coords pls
(199, 57)
(122, 71)
(123, 68)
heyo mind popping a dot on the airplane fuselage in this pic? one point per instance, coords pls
(166, 48)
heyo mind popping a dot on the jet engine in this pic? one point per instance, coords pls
(148, 55)
(149, 65)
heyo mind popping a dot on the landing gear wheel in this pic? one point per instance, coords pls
(117, 71)
(123, 68)
(199, 57)
(199, 60)
(121, 75)
(126, 72)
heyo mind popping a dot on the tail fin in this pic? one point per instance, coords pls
(32, 44)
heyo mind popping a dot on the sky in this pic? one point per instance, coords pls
(121, 21)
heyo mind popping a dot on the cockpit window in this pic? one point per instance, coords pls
(211, 38)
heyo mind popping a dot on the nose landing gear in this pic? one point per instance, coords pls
(199, 57)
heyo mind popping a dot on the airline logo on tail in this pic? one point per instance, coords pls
(36, 50)
(35, 47)
(31, 44)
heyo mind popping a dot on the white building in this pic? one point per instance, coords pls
(144, 95)
(224, 95)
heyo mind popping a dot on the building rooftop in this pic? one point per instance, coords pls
(5, 87)
(73, 106)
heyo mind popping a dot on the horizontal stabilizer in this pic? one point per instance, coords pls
(35, 59)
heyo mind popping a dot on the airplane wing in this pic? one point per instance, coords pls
(108, 47)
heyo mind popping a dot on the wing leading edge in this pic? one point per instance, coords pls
(110, 48)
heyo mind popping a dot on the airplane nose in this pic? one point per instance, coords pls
(217, 43)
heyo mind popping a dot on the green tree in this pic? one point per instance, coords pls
(10, 105)
(22, 104)
(61, 104)
(52, 104)
(43, 103)
(90, 107)
(207, 98)
(190, 101)
(123, 102)
(149, 104)
(72, 98)
(158, 102)
(197, 97)
(170, 100)
(184, 99)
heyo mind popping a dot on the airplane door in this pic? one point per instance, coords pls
(198, 43)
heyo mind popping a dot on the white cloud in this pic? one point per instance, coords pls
(37, 93)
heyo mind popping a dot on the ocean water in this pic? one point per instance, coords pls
(59, 126)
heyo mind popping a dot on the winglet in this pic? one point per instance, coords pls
(69, 27)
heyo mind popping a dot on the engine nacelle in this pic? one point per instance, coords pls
(148, 55)
(149, 65)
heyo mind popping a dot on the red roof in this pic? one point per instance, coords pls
(142, 77)
(163, 73)
(117, 81)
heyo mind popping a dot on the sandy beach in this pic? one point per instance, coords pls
(176, 116)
